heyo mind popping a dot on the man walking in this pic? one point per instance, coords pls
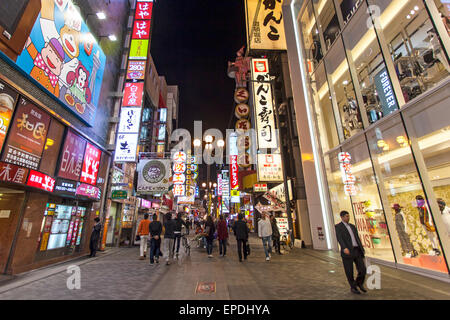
(265, 233)
(155, 229)
(275, 234)
(352, 251)
(169, 237)
(178, 226)
(95, 236)
(222, 235)
(143, 232)
(241, 231)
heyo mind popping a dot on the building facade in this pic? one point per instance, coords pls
(371, 98)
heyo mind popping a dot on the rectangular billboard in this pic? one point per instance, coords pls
(270, 168)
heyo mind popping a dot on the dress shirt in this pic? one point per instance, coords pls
(355, 244)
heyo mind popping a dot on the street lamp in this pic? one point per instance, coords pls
(204, 184)
(197, 142)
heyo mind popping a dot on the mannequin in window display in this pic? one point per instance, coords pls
(436, 51)
(403, 232)
(427, 223)
(445, 211)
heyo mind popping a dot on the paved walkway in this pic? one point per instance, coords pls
(301, 274)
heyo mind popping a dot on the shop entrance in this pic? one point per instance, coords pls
(113, 224)
(11, 202)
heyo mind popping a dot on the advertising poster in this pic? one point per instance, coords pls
(8, 98)
(136, 70)
(63, 56)
(27, 136)
(72, 156)
(153, 175)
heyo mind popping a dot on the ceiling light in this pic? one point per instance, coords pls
(112, 37)
(408, 17)
(416, 8)
(412, 11)
(101, 15)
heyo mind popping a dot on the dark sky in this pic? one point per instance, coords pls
(192, 42)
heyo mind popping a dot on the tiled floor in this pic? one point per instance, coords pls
(302, 274)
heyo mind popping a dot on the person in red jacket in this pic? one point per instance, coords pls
(222, 235)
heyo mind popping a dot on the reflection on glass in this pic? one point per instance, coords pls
(341, 86)
(324, 110)
(410, 214)
(328, 20)
(418, 57)
(311, 41)
(364, 51)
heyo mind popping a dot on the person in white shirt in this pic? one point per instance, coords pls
(265, 233)
(445, 211)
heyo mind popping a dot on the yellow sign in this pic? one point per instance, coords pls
(235, 193)
(138, 49)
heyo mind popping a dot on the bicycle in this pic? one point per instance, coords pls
(185, 243)
(287, 241)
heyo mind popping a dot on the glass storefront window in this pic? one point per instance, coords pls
(410, 216)
(311, 40)
(364, 52)
(419, 59)
(324, 110)
(341, 87)
(328, 20)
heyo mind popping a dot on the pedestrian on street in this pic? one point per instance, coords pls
(179, 223)
(352, 251)
(265, 233)
(222, 235)
(95, 236)
(155, 230)
(169, 237)
(209, 231)
(143, 232)
(241, 231)
(275, 234)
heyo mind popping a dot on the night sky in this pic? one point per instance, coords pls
(192, 42)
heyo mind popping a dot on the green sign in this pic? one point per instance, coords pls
(119, 194)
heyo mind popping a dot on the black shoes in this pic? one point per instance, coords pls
(362, 288)
(355, 290)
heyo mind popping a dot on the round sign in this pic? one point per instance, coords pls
(243, 142)
(153, 171)
(243, 124)
(241, 95)
(242, 111)
(179, 167)
(179, 178)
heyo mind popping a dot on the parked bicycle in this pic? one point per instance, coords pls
(185, 243)
(287, 241)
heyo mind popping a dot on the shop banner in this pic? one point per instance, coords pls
(265, 25)
(12, 173)
(136, 70)
(130, 119)
(27, 136)
(263, 101)
(234, 169)
(119, 194)
(132, 94)
(63, 56)
(65, 187)
(138, 49)
(126, 147)
(153, 175)
(144, 10)
(42, 181)
(141, 29)
(89, 191)
(8, 99)
(385, 92)
(270, 168)
(90, 164)
(72, 156)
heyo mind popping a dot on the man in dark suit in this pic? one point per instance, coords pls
(352, 251)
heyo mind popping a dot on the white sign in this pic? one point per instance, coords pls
(264, 113)
(279, 192)
(153, 175)
(283, 225)
(266, 30)
(129, 120)
(5, 213)
(186, 200)
(260, 187)
(126, 147)
(270, 168)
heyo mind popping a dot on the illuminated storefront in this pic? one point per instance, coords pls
(375, 79)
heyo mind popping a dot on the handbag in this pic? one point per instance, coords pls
(138, 237)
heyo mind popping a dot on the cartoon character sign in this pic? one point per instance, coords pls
(62, 55)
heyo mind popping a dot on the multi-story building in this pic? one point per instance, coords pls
(371, 96)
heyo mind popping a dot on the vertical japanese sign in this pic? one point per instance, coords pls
(262, 93)
(348, 178)
(265, 25)
(72, 157)
(91, 164)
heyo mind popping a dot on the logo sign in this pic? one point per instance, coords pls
(8, 98)
(64, 186)
(126, 147)
(266, 30)
(141, 29)
(42, 181)
(138, 49)
(136, 70)
(89, 191)
(144, 10)
(63, 58)
(27, 136)
(385, 92)
(153, 175)
(264, 114)
(241, 95)
(90, 164)
(234, 168)
(119, 194)
(260, 187)
(132, 94)
(72, 156)
(12, 173)
(270, 168)
(129, 120)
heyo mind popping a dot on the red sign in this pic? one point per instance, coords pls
(90, 164)
(88, 191)
(144, 9)
(132, 95)
(27, 136)
(141, 29)
(136, 70)
(41, 181)
(72, 157)
(234, 169)
(12, 173)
